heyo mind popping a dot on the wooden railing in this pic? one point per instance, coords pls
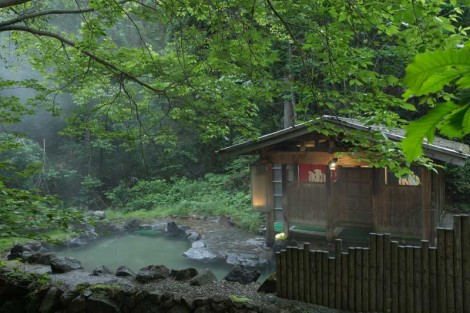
(385, 277)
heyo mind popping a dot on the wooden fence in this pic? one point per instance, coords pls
(385, 277)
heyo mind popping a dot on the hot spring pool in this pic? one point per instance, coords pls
(137, 251)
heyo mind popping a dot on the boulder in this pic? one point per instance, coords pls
(184, 274)
(193, 236)
(245, 259)
(269, 284)
(152, 272)
(133, 224)
(242, 275)
(198, 244)
(108, 229)
(205, 277)
(65, 264)
(51, 301)
(174, 230)
(41, 258)
(102, 304)
(101, 270)
(124, 271)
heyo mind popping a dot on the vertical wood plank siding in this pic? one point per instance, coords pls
(385, 277)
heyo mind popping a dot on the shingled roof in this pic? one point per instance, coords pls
(441, 149)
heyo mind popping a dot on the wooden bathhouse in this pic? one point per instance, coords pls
(310, 184)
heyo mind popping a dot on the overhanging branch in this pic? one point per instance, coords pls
(11, 3)
(89, 54)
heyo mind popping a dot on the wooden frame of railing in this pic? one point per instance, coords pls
(384, 277)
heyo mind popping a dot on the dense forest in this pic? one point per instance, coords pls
(122, 105)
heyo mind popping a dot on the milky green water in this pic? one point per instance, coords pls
(137, 251)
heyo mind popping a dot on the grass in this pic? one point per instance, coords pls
(244, 218)
(53, 236)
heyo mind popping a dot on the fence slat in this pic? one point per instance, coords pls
(458, 290)
(278, 275)
(325, 277)
(387, 273)
(409, 280)
(307, 282)
(394, 275)
(373, 272)
(338, 254)
(417, 276)
(301, 272)
(319, 284)
(433, 280)
(352, 276)
(365, 279)
(344, 280)
(402, 279)
(313, 277)
(331, 282)
(358, 284)
(450, 270)
(290, 287)
(295, 273)
(465, 223)
(284, 273)
(441, 270)
(380, 273)
(425, 275)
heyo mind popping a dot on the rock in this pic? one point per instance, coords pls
(242, 275)
(124, 271)
(201, 253)
(205, 277)
(184, 274)
(101, 270)
(198, 244)
(245, 259)
(51, 301)
(99, 215)
(283, 244)
(41, 258)
(98, 303)
(65, 264)
(108, 229)
(152, 272)
(67, 297)
(17, 251)
(193, 236)
(174, 230)
(269, 284)
(179, 308)
(146, 227)
(133, 224)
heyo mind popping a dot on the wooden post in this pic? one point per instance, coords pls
(295, 273)
(373, 272)
(290, 274)
(465, 229)
(351, 278)
(417, 277)
(433, 287)
(409, 280)
(344, 280)
(269, 206)
(441, 270)
(358, 274)
(338, 253)
(394, 275)
(402, 279)
(450, 270)
(380, 273)
(319, 287)
(331, 282)
(313, 277)
(284, 292)
(301, 272)
(387, 273)
(365, 279)
(307, 267)
(279, 270)
(324, 258)
(425, 275)
(458, 285)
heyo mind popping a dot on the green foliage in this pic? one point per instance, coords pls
(430, 74)
(210, 196)
(458, 185)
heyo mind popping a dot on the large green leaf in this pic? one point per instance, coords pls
(424, 128)
(430, 72)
